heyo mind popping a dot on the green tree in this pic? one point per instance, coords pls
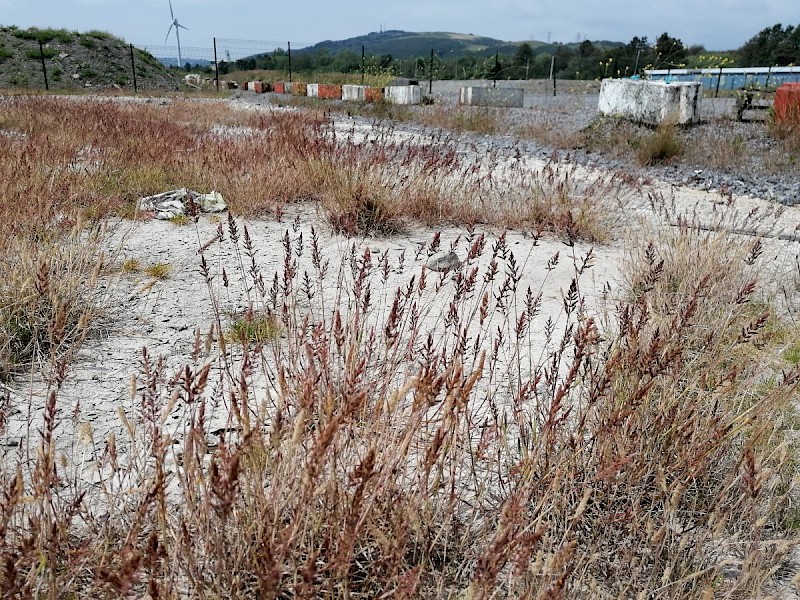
(774, 45)
(670, 51)
(586, 49)
(523, 55)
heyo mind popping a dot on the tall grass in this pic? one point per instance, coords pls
(397, 432)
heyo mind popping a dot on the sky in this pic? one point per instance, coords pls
(715, 24)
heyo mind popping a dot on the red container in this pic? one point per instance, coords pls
(373, 94)
(787, 103)
(329, 91)
(278, 87)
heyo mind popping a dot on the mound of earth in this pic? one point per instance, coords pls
(95, 59)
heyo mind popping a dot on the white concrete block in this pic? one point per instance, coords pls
(312, 90)
(651, 102)
(354, 93)
(403, 94)
(492, 96)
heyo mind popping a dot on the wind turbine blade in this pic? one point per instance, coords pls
(168, 32)
(171, 14)
(182, 27)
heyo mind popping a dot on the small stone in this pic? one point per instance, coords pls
(444, 263)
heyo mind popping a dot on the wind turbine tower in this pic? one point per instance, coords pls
(177, 27)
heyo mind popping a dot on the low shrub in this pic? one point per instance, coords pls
(661, 146)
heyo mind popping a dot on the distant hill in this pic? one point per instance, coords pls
(406, 44)
(95, 59)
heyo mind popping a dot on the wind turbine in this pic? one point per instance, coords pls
(177, 27)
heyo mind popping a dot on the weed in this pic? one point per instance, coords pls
(158, 270)
(253, 328)
(48, 53)
(131, 265)
(180, 220)
(663, 145)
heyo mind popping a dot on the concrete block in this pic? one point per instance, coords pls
(651, 102)
(330, 91)
(403, 94)
(258, 87)
(353, 93)
(492, 96)
(312, 90)
(298, 89)
(787, 103)
(279, 87)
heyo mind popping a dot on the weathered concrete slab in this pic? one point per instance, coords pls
(354, 93)
(492, 96)
(362, 93)
(651, 102)
(403, 94)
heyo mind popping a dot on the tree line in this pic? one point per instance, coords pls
(773, 46)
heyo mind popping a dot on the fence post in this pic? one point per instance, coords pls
(430, 75)
(216, 65)
(133, 68)
(362, 64)
(553, 72)
(496, 68)
(719, 80)
(44, 68)
(289, 46)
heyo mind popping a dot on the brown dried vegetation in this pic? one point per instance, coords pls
(397, 451)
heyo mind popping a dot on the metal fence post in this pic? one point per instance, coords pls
(44, 68)
(216, 65)
(362, 64)
(133, 68)
(289, 46)
(430, 75)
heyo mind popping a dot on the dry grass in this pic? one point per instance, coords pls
(392, 457)
(411, 440)
(69, 162)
